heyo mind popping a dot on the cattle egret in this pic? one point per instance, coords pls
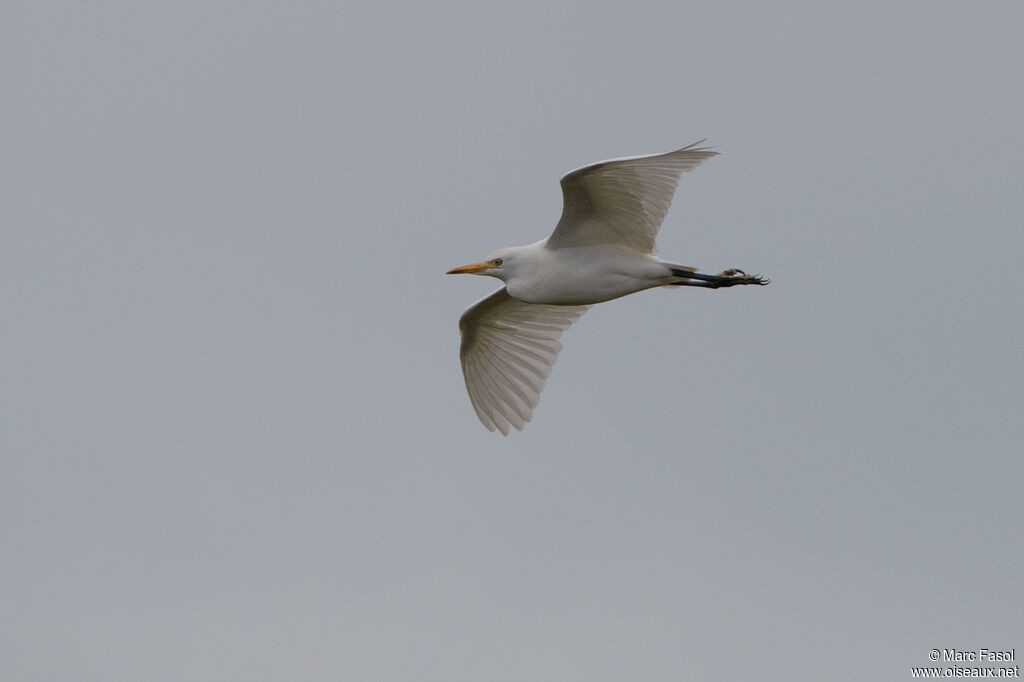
(602, 248)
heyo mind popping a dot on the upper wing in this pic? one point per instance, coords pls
(622, 201)
(508, 350)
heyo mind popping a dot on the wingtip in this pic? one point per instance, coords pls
(695, 147)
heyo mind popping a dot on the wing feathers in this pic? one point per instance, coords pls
(508, 350)
(622, 201)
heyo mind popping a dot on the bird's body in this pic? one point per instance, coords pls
(601, 249)
(581, 275)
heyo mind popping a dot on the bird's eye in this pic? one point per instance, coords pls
(496, 262)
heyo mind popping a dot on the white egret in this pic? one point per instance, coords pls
(602, 248)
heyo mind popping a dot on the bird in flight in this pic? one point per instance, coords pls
(602, 248)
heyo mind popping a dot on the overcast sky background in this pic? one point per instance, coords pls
(234, 438)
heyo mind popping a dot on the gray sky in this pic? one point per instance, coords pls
(234, 439)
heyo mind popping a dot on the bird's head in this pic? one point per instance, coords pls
(500, 264)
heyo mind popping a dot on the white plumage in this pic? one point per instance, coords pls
(622, 201)
(508, 350)
(602, 248)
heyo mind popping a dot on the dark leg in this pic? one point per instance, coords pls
(726, 278)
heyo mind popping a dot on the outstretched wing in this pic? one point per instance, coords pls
(508, 350)
(622, 201)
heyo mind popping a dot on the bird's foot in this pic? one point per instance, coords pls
(734, 276)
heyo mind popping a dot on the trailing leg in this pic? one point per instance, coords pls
(727, 278)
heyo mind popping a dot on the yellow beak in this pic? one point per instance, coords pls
(470, 269)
